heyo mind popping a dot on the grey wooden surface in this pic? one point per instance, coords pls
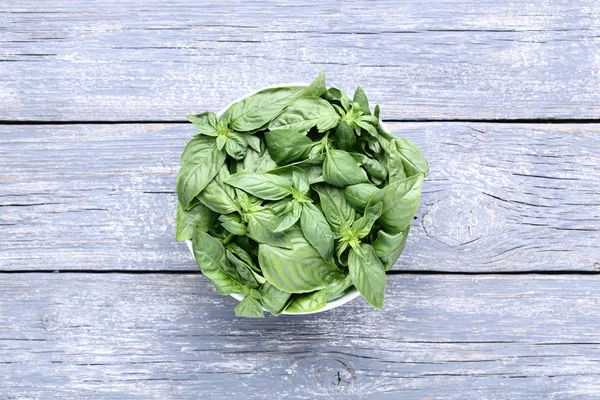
(500, 197)
(496, 296)
(170, 336)
(156, 60)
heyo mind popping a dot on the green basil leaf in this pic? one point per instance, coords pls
(305, 113)
(400, 202)
(264, 186)
(243, 269)
(289, 217)
(359, 195)
(300, 180)
(364, 224)
(373, 167)
(218, 196)
(255, 143)
(201, 161)
(340, 169)
(316, 230)
(307, 302)
(366, 126)
(395, 164)
(345, 138)
(377, 111)
(210, 256)
(273, 299)
(249, 307)
(368, 275)
(340, 251)
(361, 98)
(265, 162)
(300, 269)
(337, 289)
(206, 123)
(256, 111)
(221, 141)
(198, 217)
(336, 95)
(337, 210)
(236, 145)
(261, 228)
(287, 146)
(388, 247)
(233, 223)
(243, 255)
(316, 87)
(412, 159)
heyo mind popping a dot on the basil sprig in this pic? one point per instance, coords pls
(295, 196)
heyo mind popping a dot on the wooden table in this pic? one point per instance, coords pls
(496, 296)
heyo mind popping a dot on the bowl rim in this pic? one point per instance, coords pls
(350, 294)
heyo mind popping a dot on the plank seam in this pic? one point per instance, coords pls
(576, 121)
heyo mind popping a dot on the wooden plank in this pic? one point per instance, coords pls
(500, 197)
(171, 336)
(123, 60)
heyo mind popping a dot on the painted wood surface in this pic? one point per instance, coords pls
(440, 59)
(171, 336)
(500, 197)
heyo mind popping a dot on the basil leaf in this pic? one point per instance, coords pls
(413, 161)
(340, 169)
(273, 299)
(244, 270)
(361, 98)
(233, 223)
(198, 217)
(243, 255)
(221, 141)
(305, 113)
(249, 307)
(218, 196)
(336, 95)
(261, 228)
(373, 167)
(255, 143)
(300, 180)
(337, 289)
(201, 161)
(400, 202)
(395, 165)
(265, 162)
(316, 230)
(289, 217)
(210, 256)
(236, 145)
(307, 302)
(368, 275)
(364, 224)
(256, 111)
(264, 186)
(206, 123)
(316, 87)
(286, 146)
(299, 269)
(388, 247)
(359, 195)
(345, 138)
(337, 210)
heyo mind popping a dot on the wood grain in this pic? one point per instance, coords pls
(171, 336)
(443, 59)
(500, 197)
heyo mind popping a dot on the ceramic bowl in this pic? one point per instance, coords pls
(352, 293)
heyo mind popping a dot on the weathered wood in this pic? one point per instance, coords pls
(171, 336)
(500, 197)
(123, 60)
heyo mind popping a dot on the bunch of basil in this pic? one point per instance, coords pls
(294, 196)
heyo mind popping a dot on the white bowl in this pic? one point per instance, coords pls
(352, 293)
